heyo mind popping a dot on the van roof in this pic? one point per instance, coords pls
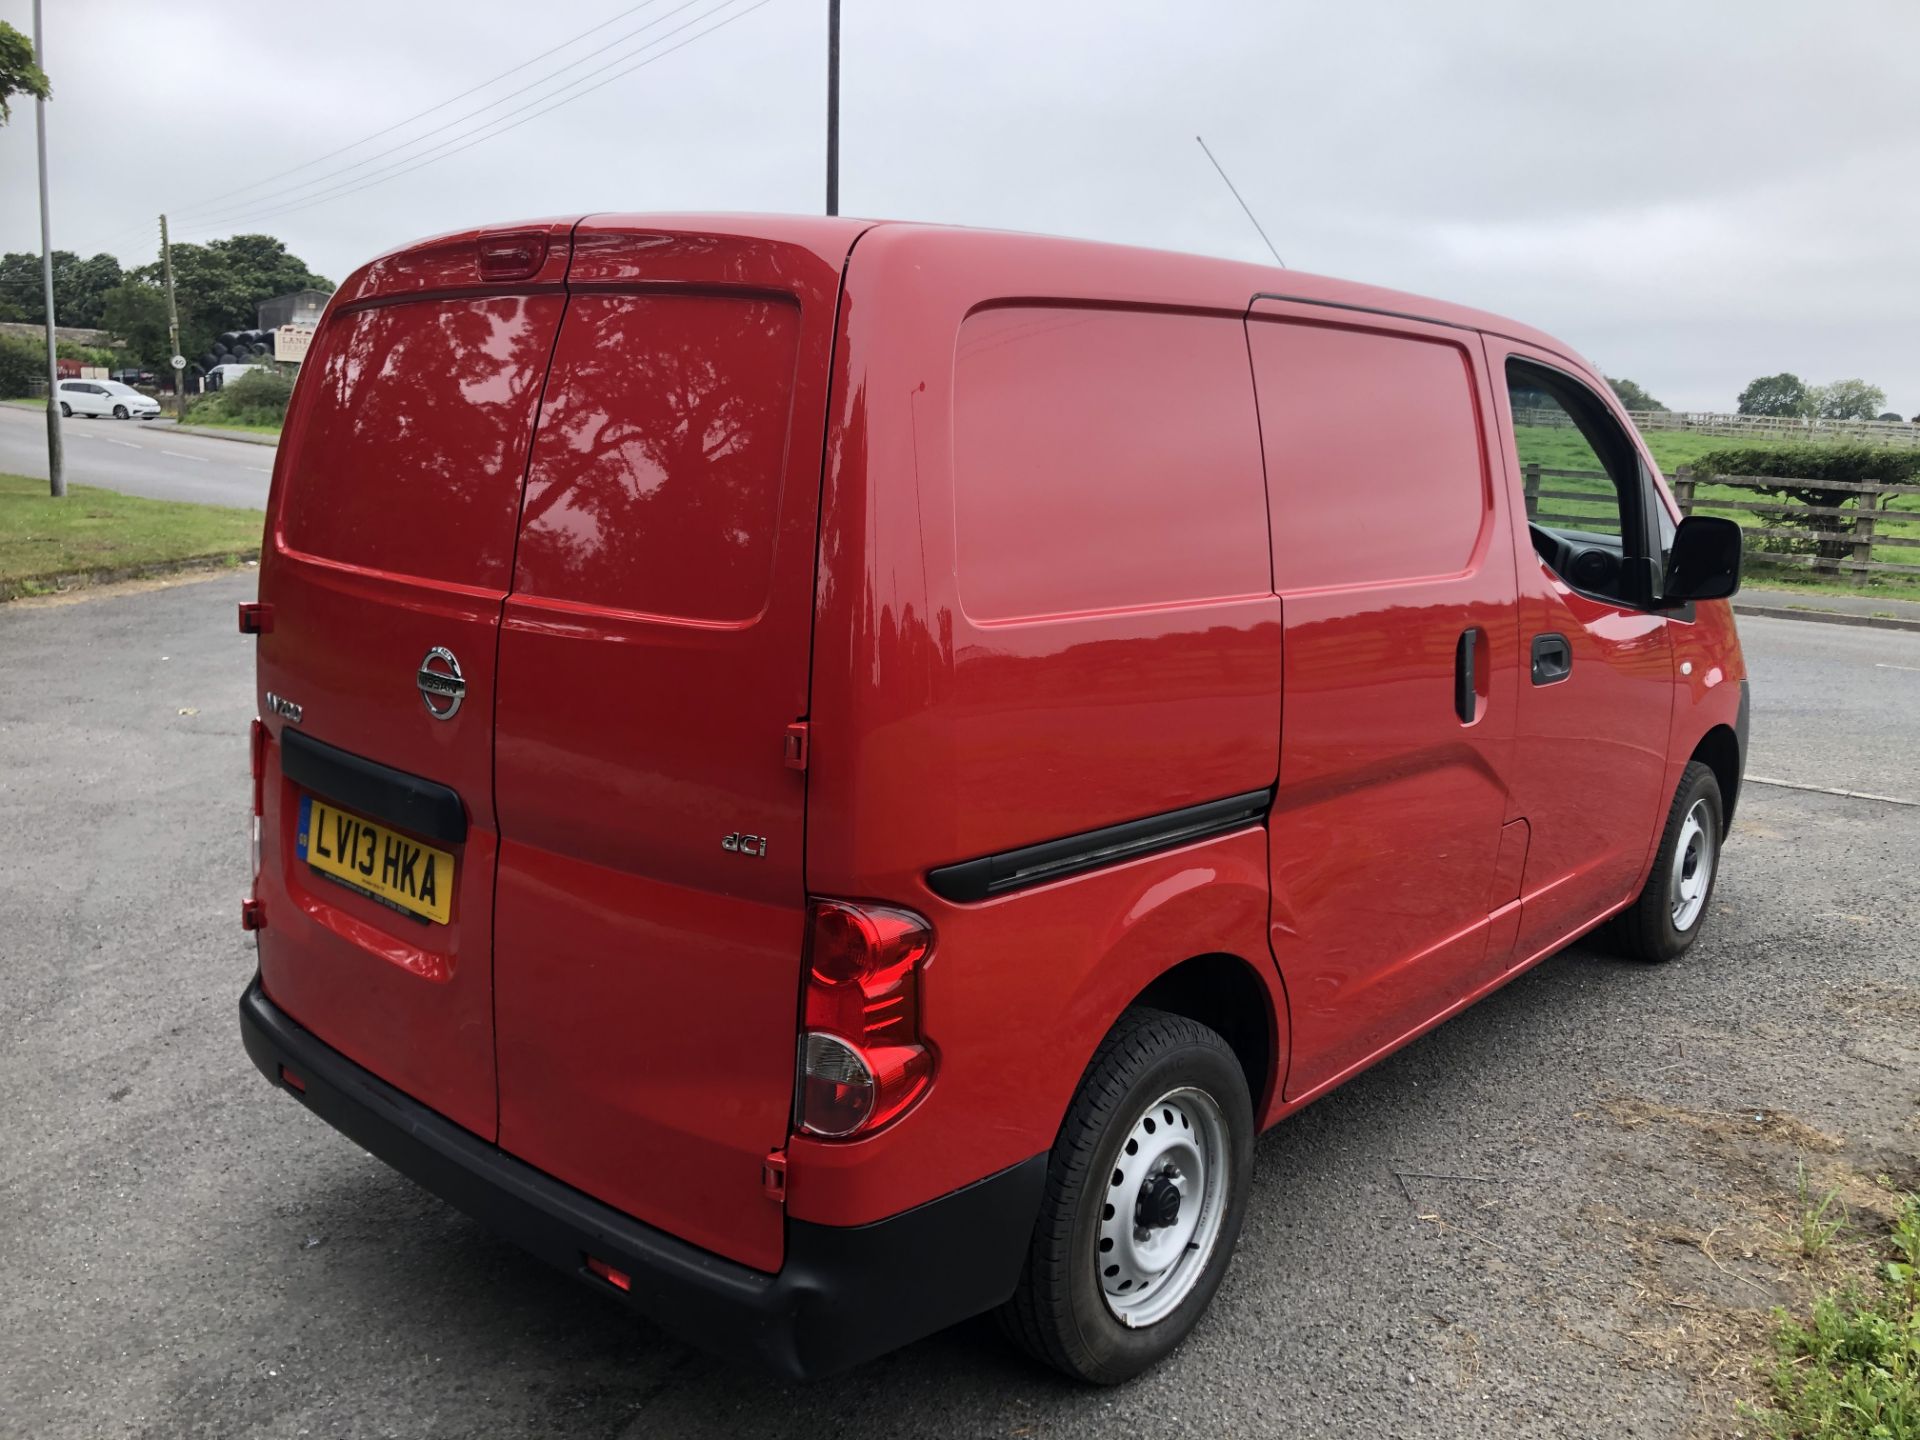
(1149, 276)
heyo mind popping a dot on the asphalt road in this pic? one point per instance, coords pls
(139, 457)
(1527, 1224)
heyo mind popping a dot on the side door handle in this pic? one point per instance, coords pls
(1552, 659)
(1466, 698)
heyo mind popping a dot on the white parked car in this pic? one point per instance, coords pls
(106, 397)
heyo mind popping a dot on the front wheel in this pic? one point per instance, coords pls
(1146, 1188)
(1671, 910)
(119, 412)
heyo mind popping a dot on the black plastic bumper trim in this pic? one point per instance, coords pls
(381, 792)
(1075, 854)
(844, 1295)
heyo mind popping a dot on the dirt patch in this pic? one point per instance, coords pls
(1895, 1002)
(1774, 1126)
(1794, 1213)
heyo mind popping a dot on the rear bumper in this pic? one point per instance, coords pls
(844, 1295)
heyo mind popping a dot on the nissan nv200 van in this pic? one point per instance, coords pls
(829, 777)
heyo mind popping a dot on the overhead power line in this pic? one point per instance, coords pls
(290, 192)
(419, 162)
(422, 114)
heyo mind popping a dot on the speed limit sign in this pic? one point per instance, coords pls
(179, 362)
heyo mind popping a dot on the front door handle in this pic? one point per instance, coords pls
(1552, 659)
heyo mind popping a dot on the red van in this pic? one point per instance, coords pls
(829, 777)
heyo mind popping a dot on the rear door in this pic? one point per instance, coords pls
(389, 551)
(654, 653)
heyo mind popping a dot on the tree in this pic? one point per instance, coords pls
(1632, 397)
(1891, 416)
(79, 286)
(1847, 400)
(220, 284)
(1782, 394)
(137, 314)
(19, 74)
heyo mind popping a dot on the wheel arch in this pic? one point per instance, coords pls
(1719, 751)
(1228, 995)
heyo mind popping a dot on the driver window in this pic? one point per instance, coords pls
(1582, 481)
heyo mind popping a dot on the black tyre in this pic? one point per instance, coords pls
(1146, 1189)
(119, 412)
(1671, 911)
(66, 411)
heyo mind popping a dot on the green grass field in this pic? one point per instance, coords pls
(1561, 448)
(48, 544)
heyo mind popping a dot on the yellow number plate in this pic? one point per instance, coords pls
(381, 864)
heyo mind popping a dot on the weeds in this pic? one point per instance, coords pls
(1816, 1230)
(1852, 1372)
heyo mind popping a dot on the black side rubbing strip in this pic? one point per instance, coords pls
(1072, 854)
(378, 791)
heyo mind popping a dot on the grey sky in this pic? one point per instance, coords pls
(1692, 192)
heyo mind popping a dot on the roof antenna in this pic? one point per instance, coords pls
(1243, 204)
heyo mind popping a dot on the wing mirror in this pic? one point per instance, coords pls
(1704, 563)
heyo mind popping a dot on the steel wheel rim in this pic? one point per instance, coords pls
(1165, 1198)
(1693, 860)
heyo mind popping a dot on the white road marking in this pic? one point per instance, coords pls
(179, 455)
(1883, 665)
(1829, 790)
(123, 444)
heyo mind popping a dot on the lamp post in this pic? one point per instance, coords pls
(56, 469)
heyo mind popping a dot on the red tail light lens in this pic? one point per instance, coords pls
(619, 1279)
(258, 742)
(863, 1060)
(258, 745)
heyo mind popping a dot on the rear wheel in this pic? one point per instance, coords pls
(1146, 1188)
(66, 411)
(1671, 910)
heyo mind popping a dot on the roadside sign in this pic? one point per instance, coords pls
(290, 343)
(179, 362)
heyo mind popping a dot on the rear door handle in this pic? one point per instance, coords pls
(1552, 659)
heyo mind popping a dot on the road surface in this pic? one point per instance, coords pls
(139, 457)
(1530, 1223)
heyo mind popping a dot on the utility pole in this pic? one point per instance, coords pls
(56, 460)
(833, 107)
(173, 324)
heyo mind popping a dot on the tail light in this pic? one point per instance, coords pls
(863, 1060)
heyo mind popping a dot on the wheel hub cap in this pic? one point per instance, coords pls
(1163, 1205)
(1693, 858)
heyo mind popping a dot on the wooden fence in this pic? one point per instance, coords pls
(1751, 427)
(1845, 533)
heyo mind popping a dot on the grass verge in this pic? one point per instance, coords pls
(94, 535)
(1851, 1371)
(196, 421)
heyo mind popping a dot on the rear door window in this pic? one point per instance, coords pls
(414, 446)
(656, 482)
